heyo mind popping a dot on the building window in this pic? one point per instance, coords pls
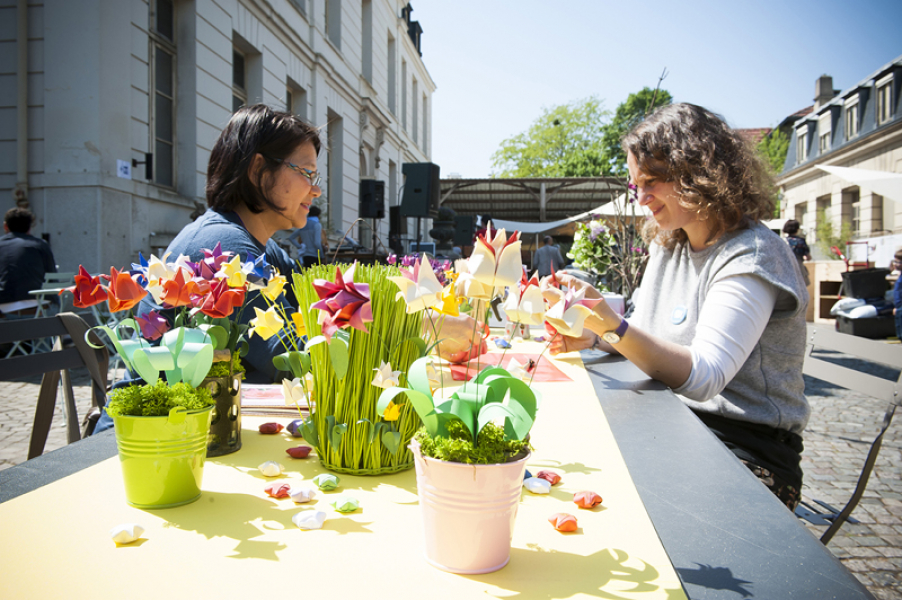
(884, 100)
(296, 100)
(415, 101)
(334, 172)
(852, 119)
(802, 144)
(824, 131)
(366, 25)
(404, 95)
(425, 123)
(239, 80)
(392, 76)
(333, 22)
(162, 84)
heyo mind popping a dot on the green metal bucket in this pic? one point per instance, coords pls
(163, 457)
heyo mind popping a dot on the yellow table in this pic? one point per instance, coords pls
(237, 542)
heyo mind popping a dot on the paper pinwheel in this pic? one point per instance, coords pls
(419, 288)
(569, 314)
(344, 303)
(525, 303)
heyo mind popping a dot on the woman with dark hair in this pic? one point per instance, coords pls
(261, 178)
(720, 314)
(799, 247)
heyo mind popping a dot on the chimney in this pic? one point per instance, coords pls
(823, 91)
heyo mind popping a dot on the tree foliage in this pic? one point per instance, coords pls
(565, 141)
(774, 147)
(628, 114)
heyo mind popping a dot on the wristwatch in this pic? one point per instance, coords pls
(612, 337)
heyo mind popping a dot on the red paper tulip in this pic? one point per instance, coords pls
(178, 292)
(549, 476)
(87, 290)
(563, 522)
(269, 428)
(299, 451)
(124, 290)
(221, 300)
(586, 499)
(278, 490)
(345, 302)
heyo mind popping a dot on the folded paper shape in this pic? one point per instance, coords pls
(563, 522)
(126, 533)
(278, 490)
(266, 324)
(345, 504)
(326, 481)
(299, 451)
(537, 486)
(385, 377)
(294, 428)
(419, 288)
(303, 495)
(309, 519)
(525, 303)
(495, 261)
(270, 428)
(344, 303)
(549, 476)
(586, 499)
(271, 468)
(124, 292)
(568, 315)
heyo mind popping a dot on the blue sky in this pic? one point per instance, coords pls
(497, 63)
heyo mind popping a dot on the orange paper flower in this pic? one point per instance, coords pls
(87, 290)
(563, 522)
(124, 291)
(177, 292)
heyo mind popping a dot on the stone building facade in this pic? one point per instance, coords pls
(109, 108)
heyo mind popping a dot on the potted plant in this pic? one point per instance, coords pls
(169, 418)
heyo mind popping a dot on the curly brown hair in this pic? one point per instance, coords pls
(718, 175)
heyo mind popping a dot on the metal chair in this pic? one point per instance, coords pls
(54, 365)
(826, 338)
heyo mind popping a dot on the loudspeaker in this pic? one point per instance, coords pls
(372, 199)
(422, 190)
(464, 229)
(396, 223)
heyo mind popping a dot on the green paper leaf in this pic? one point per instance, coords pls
(308, 430)
(391, 440)
(218, 335)
(465, 410)
(493, 411)
(242, 348)
(335, 436)
(338, 352)
(418, 376)
(195, 361)
(422, 404)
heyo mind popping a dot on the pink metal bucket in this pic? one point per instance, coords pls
(468, 512)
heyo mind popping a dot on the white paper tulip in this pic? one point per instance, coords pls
(496, 261)
(419, 288)
(309, 519)
(126, 533)
(293, 391)
(526, 306)
(569, 314)
(271, 468)
(385, 377)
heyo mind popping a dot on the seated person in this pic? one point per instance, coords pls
(24, 259)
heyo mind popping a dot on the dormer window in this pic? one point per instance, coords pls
(885, 99)
(802, 143)
(825, 130)
(852, 117)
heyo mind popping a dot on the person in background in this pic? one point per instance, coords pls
(897, 292)
(24, 259)
(799, 247)
(548, 256)
(720, 314)
(310, 236)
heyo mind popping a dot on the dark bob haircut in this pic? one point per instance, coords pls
(791, 227)
(253, 130)
(718, 175)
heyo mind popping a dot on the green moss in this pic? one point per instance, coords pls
(156, 400)
(491, 447)
(221, 369)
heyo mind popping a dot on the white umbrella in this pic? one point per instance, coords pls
(888, 185)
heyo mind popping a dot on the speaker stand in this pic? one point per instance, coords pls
(374, 236)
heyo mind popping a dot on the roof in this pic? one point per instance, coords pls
(512, 199)
(753, 135)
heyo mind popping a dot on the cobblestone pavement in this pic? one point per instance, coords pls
(837, 439)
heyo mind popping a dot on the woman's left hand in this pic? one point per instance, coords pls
(561, 343)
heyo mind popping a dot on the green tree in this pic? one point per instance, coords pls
(773, 147)
(628, 114)
(565, 141)
(827, 237)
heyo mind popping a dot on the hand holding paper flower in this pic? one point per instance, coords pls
(569, 314)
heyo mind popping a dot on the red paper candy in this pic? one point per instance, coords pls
(278, 490)
(586, 499)
(549, 476)
(563, 522)
(299, 451)
(271, 428)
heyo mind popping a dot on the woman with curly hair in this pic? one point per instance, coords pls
(720, 314)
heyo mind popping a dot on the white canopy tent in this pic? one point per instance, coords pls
(888, 185)
(610, 209)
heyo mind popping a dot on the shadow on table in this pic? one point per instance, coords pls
(714, 578)
(537, 575)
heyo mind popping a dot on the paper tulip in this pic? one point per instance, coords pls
(274, 287)
(385, 377)
(525, 303)
(343, 302)
(569, 314)
(392, 412)
(152, 325)
(214, 258)
(450, 304)
(495, 261)
(293, 391)
(124, 292)
(232, 272)
(176, 291)
(300, 329)
(266, 324)
(220, 302)
(419, 288)
(87, 290)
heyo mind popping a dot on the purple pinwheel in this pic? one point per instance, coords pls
(153, 325)
(345, 302)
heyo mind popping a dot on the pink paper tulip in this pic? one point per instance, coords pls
(344, 302)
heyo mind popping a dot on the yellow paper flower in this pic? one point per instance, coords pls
(450, 302)
(392, 412)
(385, 377)
(232, 272)
(274, 287)
(299, 327)
(266, 324)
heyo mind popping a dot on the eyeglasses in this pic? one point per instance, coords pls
(314, 176)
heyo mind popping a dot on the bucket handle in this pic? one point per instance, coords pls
(177, 416)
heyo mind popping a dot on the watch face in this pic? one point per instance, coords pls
(610, 337)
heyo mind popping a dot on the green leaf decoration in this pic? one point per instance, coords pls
(418, 342)
(335, 437)
(418, 376)
(308, 430)
(218, 335)
(422, 403)
(391, 440)
(242, 348)
(338, 352)
(464, 409)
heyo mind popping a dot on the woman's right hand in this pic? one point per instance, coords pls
(550, 284)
